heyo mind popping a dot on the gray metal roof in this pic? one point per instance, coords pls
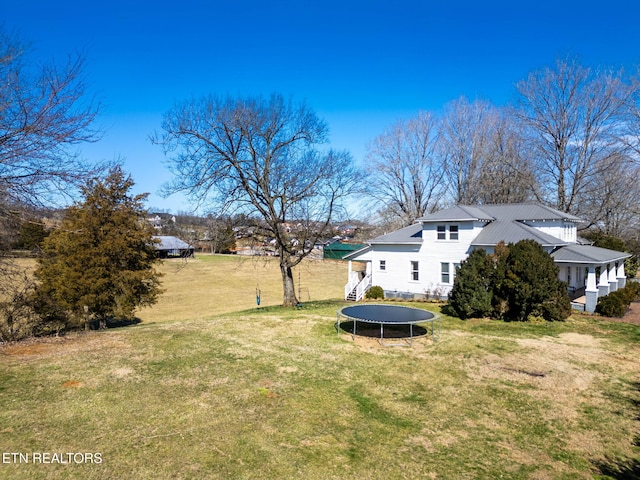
(512, 231)
(587, 254)
(407, 235)
(170, 243)
(511, 211)
(457, 213)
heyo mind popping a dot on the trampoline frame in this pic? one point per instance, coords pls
(435, 318)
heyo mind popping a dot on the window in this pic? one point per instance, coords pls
(383, 264)
(415, 276)
(444, 272)
(442, 232)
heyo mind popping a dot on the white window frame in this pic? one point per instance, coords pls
(446, 272)
(445, 232)
(415, 271)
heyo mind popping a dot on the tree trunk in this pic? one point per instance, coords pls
(289, 299)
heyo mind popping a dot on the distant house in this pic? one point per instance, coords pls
(172, 247)
(421, 259)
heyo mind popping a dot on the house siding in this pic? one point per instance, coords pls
(566, 231)
(397, 273)
(397, 279)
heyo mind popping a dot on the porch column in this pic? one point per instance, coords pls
(369, 268)
(350, 264)
(591, 291)
(613, 280)
(622, 277)
(603, 284)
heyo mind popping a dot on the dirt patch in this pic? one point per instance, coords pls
(632, 316)
(71, 384)
(69, 344)
(32, 346)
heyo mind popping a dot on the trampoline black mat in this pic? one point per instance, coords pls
(389, 314)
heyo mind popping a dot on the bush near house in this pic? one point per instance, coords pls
(617, 303)
(516, 282)
(472, 291)
(374, 293)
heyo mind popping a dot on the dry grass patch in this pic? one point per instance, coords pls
(216, 284)
(277, 393)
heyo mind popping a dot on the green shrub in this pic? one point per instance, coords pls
(616, 303)
(612, 305)
(375, 292)
(471, 293)
(517, 281)
(634, 290)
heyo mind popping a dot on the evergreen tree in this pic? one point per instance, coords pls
(101, 257)
(32, 234)
(472, 290)
(531, 285)
(517, 281)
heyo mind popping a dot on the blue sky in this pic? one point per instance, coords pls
(361, 65)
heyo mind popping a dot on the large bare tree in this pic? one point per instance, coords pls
(505, 175)
(44, 115)
(574, 119)
(482, 155)
(263, 156)
(405, 172)
(465, 141)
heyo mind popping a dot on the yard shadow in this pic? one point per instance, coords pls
(372, 330)
(123, 322)
(114, 323)
(625, 468)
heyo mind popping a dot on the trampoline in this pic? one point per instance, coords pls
(389, 315)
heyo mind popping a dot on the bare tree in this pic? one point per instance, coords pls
(464, 143)
(44, 114)
(405, 172)
(615, 197)
(505, 174)
(262, 156)
(574, 120)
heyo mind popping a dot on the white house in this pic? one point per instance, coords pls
(421, 260)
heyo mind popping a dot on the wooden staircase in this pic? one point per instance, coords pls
(355, 291)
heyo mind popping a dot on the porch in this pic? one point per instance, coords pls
(590, 272)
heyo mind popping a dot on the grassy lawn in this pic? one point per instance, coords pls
(215, 284)
(272, 393)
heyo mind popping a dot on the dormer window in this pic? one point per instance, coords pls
(442, 231)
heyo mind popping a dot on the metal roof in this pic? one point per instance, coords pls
(587, 254)
(512, 232)
(170, 243)
(407, 235)
(487, 213)
(457, 213)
